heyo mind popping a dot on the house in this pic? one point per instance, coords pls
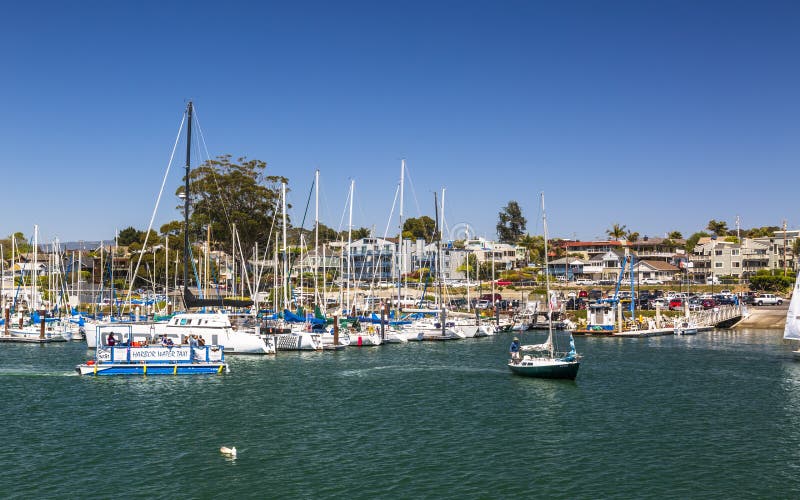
(655, 270)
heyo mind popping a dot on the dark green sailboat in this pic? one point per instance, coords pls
(543, 360)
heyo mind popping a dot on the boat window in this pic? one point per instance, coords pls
(183, 321)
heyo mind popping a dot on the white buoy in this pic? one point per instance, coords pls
(231, 452)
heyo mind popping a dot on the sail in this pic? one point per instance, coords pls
(792, 329)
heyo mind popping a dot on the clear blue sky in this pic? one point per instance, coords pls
(659, 115)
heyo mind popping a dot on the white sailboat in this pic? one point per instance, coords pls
(543, 360)
(792, 329)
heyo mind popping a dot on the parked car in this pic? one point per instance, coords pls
(658, 303)
(584, 282)
(708, 303)
(651, 281)
(768, 299)
(676, 304)
(583, 294)
(595, 294)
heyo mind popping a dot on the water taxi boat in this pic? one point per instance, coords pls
(117, 353)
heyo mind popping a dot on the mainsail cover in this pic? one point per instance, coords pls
(792, 329)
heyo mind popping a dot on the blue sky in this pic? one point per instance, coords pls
(659, 115)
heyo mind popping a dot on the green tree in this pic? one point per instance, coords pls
(720, 228)
(632, 236)
(693, 239)
(511, 224)
(361, 232)
(675, 235)
(469, 265)
(225, 192)
(535, 247)
(130, 235)
(616, 232)
(419, 228)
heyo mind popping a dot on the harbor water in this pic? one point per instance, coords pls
(716, 415)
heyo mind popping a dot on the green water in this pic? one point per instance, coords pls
(716, 415)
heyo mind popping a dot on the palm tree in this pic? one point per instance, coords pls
(632, 236)
(616, 232)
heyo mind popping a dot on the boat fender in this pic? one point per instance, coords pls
(90, 362)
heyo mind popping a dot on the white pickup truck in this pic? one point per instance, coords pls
(767, 299)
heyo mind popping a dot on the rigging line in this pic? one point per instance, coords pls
(155, 209)
(244, 266)
(302, 224)
(267, 249)
(344, 210)
(413, 191)
(386, 232)
(221, 194)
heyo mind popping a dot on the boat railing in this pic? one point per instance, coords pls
(134, 353)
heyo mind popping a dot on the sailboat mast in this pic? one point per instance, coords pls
(316, 236)
(349, 242)
(438, 275)
(285, 251)
(547, 280)
(186, 199)
(400, 239)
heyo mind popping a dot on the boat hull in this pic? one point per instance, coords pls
(546, 369)
(107, 369)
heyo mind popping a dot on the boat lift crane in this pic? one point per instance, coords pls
(628, 261)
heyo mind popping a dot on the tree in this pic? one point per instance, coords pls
(225, 192)
(511, 224)
(130, 235)
(693, 239)
(362, 232)
(720, 228)
(535, 247)
(632, 236)
(419, 228)
(616, 232)
(675, 235)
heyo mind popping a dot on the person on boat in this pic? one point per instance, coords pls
(201, 341)
(111, 340)
(514, 350)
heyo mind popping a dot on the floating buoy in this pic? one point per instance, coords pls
(231, 452)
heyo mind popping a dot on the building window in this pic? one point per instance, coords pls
(717, 264)
(735, 252)
(736, 264)
(717, 252)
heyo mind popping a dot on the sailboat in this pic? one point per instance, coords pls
(543, 360)
(792, 329)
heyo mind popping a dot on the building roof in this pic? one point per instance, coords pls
(657, 265)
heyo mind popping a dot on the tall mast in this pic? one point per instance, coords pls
(349, 241)
(316, 235)
(186, 200)
(285, 251)
(547, 281)
(400, 239)
(438, 275)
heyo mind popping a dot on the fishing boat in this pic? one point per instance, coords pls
(124, 356)
(545, 360)
(686, 326)
(792, 329)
